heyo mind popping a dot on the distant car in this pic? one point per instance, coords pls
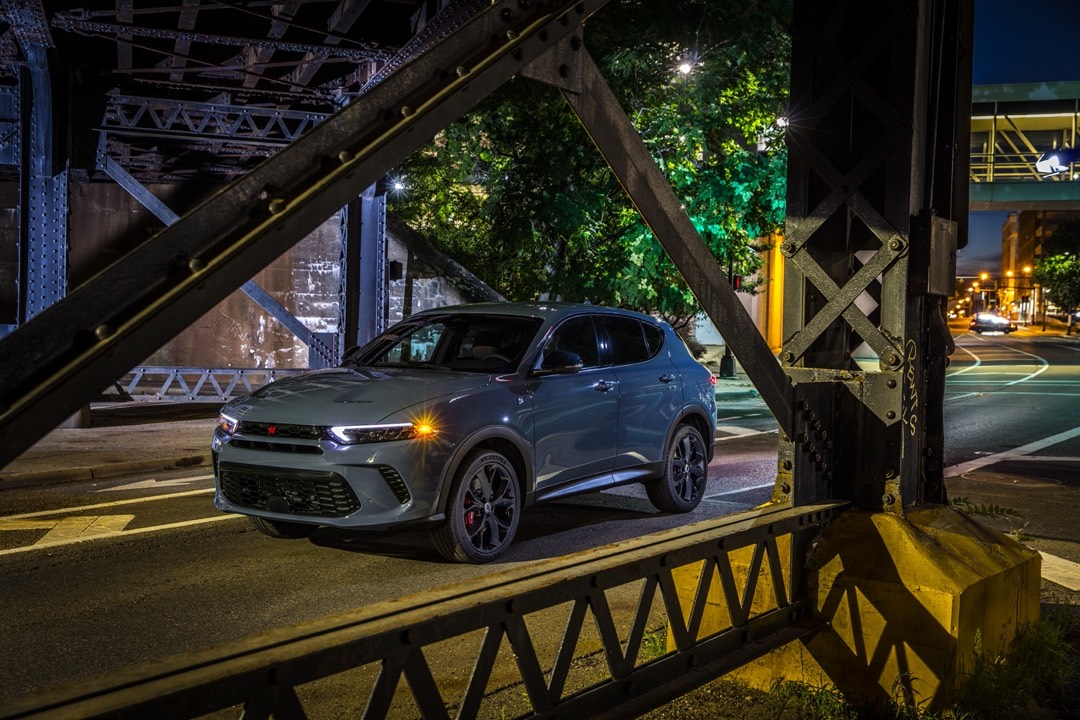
(460, 417)
(986, 322)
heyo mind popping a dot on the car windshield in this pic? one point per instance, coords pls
(467, 342)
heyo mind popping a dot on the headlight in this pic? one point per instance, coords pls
(226, 423)
(353, 434)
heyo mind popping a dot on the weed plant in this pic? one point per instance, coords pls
(1038, 671)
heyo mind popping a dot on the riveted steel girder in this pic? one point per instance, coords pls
(877, 190)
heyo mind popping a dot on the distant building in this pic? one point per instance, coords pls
(1022, 236)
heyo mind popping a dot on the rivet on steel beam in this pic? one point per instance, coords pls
(461, 71)
(891, 415)
(891, 384)
(507, 15)
(787, 356)
(344, 156)
(511, 35)
(276, 205)
(785, 488)
(564, 71)
(406, 111)
(103, 332)
(195, 265)
(888, 499)
(892, 359)
(896, 244)
(787, 248)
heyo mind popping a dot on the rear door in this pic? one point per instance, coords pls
(650, 392)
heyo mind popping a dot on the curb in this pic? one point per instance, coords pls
(100, 472)
(735, 394)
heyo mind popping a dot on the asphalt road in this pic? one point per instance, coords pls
(182, 576)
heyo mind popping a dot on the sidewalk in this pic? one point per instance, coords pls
(122, 440)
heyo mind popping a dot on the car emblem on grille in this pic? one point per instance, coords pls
(271, 429)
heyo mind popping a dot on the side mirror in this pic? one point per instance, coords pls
(560, 362)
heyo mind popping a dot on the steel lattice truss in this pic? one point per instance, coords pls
(186, 88)
(750, 565)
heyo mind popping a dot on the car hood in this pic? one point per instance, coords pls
(342, 395)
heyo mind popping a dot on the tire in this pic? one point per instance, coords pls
(482, 511)
(685, 473)
(282, 529)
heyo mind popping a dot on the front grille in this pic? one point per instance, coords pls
(300, 492)
(396, 483)
(287, 431)
(275, 446)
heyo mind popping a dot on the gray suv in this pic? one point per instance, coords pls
(462, 416)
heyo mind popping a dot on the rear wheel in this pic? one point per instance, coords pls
(685, 472)
(483, 509)
(282, 528)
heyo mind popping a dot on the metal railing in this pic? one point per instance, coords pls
(193, 384)
(739, 585)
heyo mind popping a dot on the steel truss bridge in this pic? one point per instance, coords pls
(876, 200)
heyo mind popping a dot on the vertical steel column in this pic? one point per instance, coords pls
(363, 297)
(43, 194)
(876, 171)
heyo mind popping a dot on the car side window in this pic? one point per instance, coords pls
(628, 340)
(576, 336)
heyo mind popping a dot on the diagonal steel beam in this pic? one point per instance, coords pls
(609, 127)
(252, 289)
(53, 364)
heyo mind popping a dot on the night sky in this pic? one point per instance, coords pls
(1034, 41)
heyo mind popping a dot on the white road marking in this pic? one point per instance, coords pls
(125, 533)
(98, 506)
(737, 431)
(739, 490)
(150, 484)
(978, 362)
(1060, 571)
(1024, 451)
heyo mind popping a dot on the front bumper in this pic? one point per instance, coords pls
(325, 483)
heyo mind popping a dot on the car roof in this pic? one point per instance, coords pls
(551, 311)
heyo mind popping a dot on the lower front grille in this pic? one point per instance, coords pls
(396, 483)
(300, 492)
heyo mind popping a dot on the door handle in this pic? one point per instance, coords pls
(604, 385)
(667, 377)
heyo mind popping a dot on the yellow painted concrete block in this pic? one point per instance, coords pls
(907, 599)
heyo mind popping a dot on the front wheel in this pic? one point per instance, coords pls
(685, 472)
(483, 509)
(281, 528)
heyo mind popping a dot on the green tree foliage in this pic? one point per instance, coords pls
(1058, 271)
(517, 192)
